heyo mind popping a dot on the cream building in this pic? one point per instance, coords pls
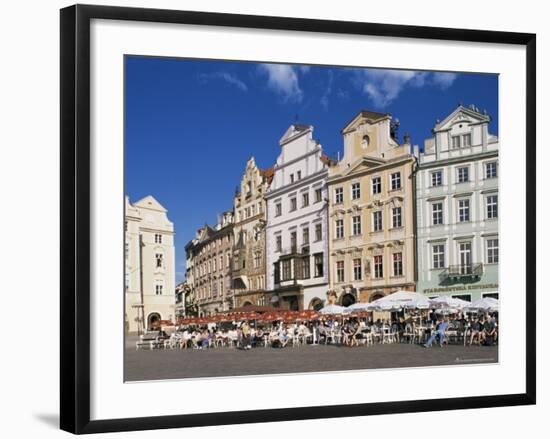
(249, 277)
(149, 265)
(371, 216)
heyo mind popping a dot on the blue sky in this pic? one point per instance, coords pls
(191, 125)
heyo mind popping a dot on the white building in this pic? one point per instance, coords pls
(149, 265)
(457, 208)
(296, 232)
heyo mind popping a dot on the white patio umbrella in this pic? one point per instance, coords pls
(448, 302)
(487, 304)
(401, 299)
(332, 309)
(359, 306)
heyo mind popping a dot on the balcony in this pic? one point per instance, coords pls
(461, 273)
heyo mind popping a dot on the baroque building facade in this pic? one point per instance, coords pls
(208, 265)
(371, 212)
(296, 231)
(249, 274)
(457, 208)
(149, 265)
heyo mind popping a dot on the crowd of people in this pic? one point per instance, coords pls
(422, 328)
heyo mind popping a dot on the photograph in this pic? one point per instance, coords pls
(297, 218)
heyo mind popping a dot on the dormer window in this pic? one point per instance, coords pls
(455, 141)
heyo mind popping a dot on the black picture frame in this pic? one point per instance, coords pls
(75, 217)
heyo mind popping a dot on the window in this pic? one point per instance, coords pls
(397, 264)
(462, 174)
(221, 262)
(126, 250)
(243, 265)
(396, 180)
(340, 271)
(227, 260)
(355, 191)
(158, 287)
(292, 242)
(396, 217)
(306, 272)
(286, 269)
(437, 178)
(492, 251)
(356, 225)
(158, 260)
(467, 140)
(492, 206)
(437, 214)
(318, 232)
(253, 209)
(305, 235)
(278, 243)
(292, 178)
(299, 175)
(357, 269)
(378, 267)
(463, 210)
(338, 195)
(491, 170)
(278, 209)
(158, 238)
(257, 259)
(305, 199)
(455, 141)
(318, 195)
(377, 221)
(293, 204)
(438, 256)
(339, 229)
(247, 210)
(215, 265)
(277, 272)
(318, 261)
(376, 185)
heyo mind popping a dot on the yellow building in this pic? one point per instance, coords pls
(371, 212)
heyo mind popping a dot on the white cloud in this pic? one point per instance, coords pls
(324, 98)
(227, 77)
(444, 79)
(283, 79)
(384, 86)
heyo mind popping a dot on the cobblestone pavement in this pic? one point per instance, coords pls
(215, 362)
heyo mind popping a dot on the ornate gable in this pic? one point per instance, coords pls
(468, 115)
(149, 202)
(364, 162)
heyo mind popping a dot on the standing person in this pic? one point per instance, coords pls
(245, 328)
(439, 332)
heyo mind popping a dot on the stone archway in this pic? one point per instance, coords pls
(348, 299)
(375, 296)
(315, 304)
(152, 319)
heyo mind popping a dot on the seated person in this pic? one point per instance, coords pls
(477, 331)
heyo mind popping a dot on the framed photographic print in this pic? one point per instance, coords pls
(262, 213)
